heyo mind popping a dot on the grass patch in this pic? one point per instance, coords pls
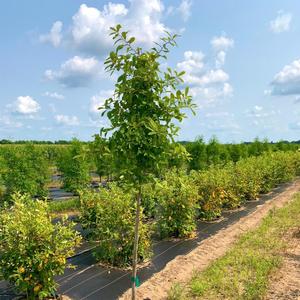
(64, 206)
(243, 273)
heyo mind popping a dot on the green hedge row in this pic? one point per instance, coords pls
(173, 205)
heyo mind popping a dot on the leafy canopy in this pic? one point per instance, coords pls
(145, 106)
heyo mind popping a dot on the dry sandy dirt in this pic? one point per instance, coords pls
(182, 267)
(285, 284)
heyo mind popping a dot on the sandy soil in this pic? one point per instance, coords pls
(182, 267)
(285, 284)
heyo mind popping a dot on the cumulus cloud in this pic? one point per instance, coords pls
(54, 95)
(287, 81)
(25, 105)
(222, 43)
(196, 74)
(76, 72)
(208, 95)
(281, 23)
(192, 63)
(89, 30)
(67, 120)
(54, 37)
(184, 10)
(207, 83)
(98, 100)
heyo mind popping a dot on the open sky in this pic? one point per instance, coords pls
(242, 63)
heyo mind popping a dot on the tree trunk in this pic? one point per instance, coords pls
(136, 242)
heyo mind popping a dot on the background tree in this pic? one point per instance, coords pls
(74, 164)
(26, 170)
(101, 156)
(142, 111)
(197, 149)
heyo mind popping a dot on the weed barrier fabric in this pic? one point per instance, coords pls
(93, 282)
(59, 194)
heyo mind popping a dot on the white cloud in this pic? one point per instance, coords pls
(222, 43)
(281, 23)
(208, 95)
(196, 74)
(67, 120)
(26, 105)
(220, 59)
(8, 123)
(76, 72)
(185, 9)
(213, 76)
(98, 100)
(219, 114)
(227, 125)
(260, 112)
(54, 36)
(287, 81)
(54, 95)
(192, 63)
(207, 84)
(89, 30)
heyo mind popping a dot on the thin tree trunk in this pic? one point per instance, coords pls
(136, 242)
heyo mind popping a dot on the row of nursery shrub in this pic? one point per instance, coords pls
(34, 248)
(24, 169)
(172, 206)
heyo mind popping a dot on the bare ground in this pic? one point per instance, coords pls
(182, 268)
(285, 283)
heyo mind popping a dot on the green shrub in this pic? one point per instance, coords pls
(74, 164)
(32, 249)
(216, 190)
(149, 200)
(286, 169)
(110, 215)
(176, 212)
(66, 205)
(248, 179)
(27, 171)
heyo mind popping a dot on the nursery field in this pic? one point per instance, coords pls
(190, 200)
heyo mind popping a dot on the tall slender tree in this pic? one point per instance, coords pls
(142, 111)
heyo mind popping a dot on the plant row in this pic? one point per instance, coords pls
(172, 206)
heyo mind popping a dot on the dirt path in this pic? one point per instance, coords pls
(285, 284)
(182, 267)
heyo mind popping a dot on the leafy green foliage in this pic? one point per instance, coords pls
(66, 205)
(32, 249)
(176, 212)
(110, 216)
(144, 106)
(216, 191)
(248, 179)
(101, 156)
(26, 171)
(229, 186)
(74, 164)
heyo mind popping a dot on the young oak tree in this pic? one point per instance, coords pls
(142, 111)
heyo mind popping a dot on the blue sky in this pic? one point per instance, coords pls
(242, 63)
